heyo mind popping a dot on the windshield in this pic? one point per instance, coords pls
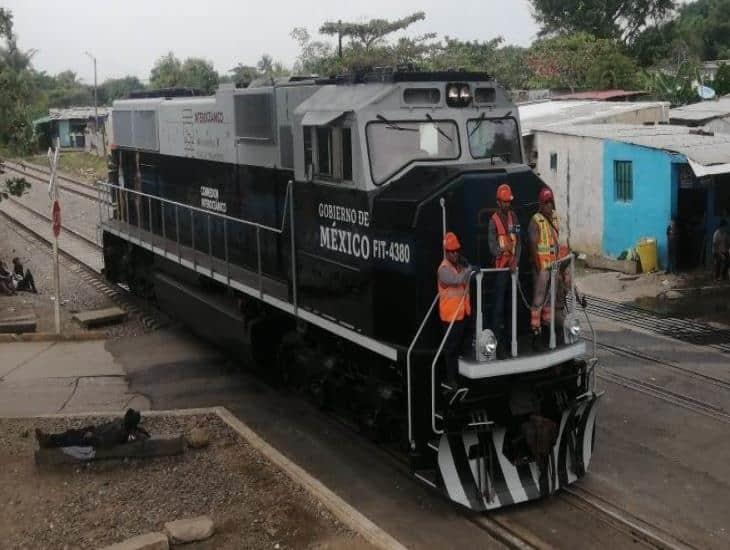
(392, 145)
(494, 138)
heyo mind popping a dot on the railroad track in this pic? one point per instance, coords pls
(684, 330)
(85, 190)
(150, 317)
(68, 230)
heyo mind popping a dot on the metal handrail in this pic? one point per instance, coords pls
(287, 212)
(203, 210)
(408, 366)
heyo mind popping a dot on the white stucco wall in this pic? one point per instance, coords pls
(578, 187)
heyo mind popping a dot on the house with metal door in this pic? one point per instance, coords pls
(615, 184)
(71, 126)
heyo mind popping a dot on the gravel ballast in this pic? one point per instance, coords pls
(252, 503)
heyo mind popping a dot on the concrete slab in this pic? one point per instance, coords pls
(14, 355)
(66, 359)
(50, 377)
(18, 322)
(99, 317)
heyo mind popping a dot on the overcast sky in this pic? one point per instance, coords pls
(127, 36)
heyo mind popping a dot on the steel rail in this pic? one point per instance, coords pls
(622, 520)
(76, 234)
(685, 330)
(648, 358)
(89, 191)
(658, 392)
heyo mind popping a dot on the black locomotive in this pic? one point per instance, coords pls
(300, 222)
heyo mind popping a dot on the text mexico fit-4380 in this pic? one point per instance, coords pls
(299, 223)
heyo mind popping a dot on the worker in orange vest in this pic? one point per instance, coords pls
(454, 274)
(503, 237)
(543, 234)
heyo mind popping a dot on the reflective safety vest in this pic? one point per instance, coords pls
(506, 238)
(450, 297)
(547, 244)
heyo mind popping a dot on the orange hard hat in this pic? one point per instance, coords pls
(451, 242)
(545, 195)
(504, 193)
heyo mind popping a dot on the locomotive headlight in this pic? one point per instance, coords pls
(487, 345)
(453, 93)
(465, 95)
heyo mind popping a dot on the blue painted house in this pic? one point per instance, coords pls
(616, 184)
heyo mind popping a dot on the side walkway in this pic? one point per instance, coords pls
(52, 377)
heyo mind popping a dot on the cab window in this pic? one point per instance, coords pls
(328, 153)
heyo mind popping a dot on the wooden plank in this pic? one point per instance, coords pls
(630, 267)
(98, 317)
(145, 448)
(18, 324)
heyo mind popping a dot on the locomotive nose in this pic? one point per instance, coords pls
(477, 474)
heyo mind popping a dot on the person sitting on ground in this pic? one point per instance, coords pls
(24, 277)
(109, 434)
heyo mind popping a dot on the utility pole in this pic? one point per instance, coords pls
(339, 38)
(96, 115)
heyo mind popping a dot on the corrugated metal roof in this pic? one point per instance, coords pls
(703, 111)
(601, 95)
(75, 113)
(545, 113)
(701, 149)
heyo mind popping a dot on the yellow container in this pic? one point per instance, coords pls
(647, 251)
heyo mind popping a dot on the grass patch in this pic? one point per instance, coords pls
(84, 166)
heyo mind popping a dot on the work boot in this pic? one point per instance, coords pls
(44, 440)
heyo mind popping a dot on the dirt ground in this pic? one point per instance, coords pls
(253, 504)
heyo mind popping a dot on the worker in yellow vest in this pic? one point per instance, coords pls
(543, 234)
(454, 303)
(503, 237)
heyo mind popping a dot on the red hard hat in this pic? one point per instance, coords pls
(546, 195)
(451, 242)
(504, 193)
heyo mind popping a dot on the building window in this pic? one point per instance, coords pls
(623, 180)
(554, 162)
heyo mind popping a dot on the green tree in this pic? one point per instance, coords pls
(616, 19)
(580, 60)
(166, 72)
(372, 33)
(115, 88)
(243, 74)
(18, 93)
(199, 73)
(266, 66)
(12, 186)
(315, 56)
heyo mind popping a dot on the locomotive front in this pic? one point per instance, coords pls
(520, 425)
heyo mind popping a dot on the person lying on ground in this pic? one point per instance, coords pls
(25, 278)
(106, 435)
(8, 284)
